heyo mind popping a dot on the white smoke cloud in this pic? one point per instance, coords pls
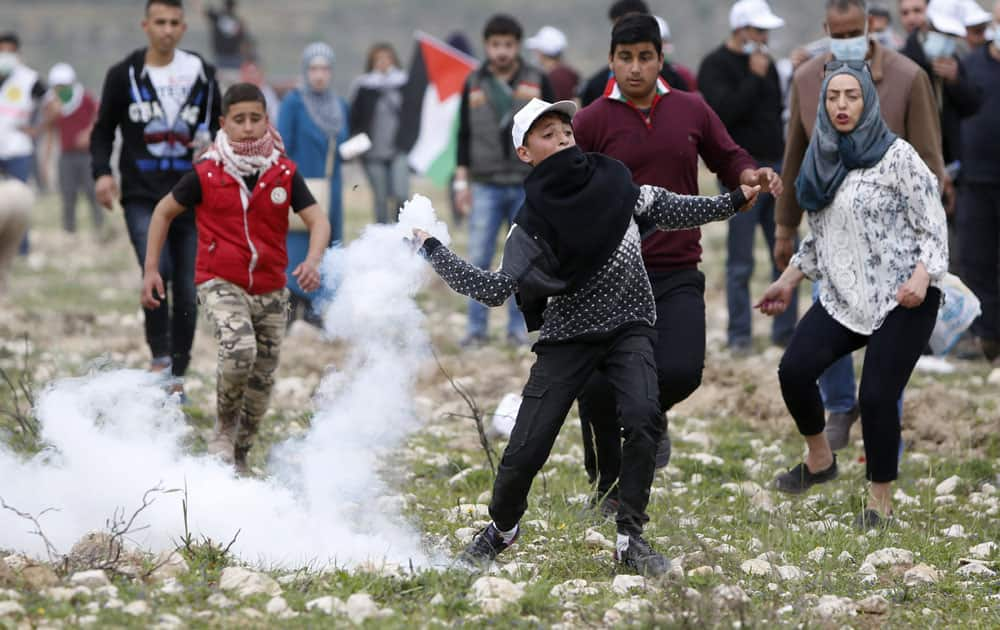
(115, 435)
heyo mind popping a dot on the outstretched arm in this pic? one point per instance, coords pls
(670, 211)
(491, 288)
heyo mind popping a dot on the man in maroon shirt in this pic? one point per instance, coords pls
(659, 134)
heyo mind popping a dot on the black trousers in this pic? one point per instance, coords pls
(891, 354)
(556, 379)
(679, 352)
(979, 252)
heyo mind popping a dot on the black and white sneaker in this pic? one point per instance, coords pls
(641, 558)
(486, 545)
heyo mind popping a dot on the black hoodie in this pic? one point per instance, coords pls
(151, 161)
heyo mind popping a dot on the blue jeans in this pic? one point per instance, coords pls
(169, 333)
(492, 207)
(19, 168)
(389, 179)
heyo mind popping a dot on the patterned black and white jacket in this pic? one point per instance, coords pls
(617, 295)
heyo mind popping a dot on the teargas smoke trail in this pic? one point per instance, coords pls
(116, 434)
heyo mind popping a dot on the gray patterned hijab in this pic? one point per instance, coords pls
(323, 107)
(831, 154)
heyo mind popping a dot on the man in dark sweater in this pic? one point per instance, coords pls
(740, 82)
(659, 133)
(979, 197)
(164, 100)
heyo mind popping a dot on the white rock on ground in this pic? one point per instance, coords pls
(622, 584)
(245, 582)
(790, 573)
(757, 567)
(90, 579)
(729, 596)
(889, 556)
(166, 621)
(494, 593)
(466, 511)
(437, 600)
(921, 574)
(276, 606)
(955, 531)
(874, 605)
(830, 606)
(594, 538)
(633, 606)
(8, 609)
(63, 594)
(137, 608)
(169, 564)
(975, 569)
(994, 377)
(218, 600)
(571, 589)
(327, 604)
(845, 557)
(983, 551)
(948, 486)
(817, 555)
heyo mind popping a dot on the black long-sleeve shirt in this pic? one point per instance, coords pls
(617, 295)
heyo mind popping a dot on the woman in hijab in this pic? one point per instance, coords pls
(878, 242)
(313, 122)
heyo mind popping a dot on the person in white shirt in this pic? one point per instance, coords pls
(878, 242)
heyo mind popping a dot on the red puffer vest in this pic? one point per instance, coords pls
(245, 247)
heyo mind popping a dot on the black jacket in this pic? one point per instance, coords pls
(154, 156)
(955, 100)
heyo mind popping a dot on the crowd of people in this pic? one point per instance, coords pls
(885, 142)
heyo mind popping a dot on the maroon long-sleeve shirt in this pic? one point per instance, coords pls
(664, 152)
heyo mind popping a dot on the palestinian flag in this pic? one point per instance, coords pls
(431, 99)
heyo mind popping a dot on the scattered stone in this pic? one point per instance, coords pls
(169, 564)
(137, 608)
(622, 584)
(63, 594)
(983, 551)
(246, 582)
(729, 596)
(437, 600)
(763, 501)
(818, 554)
(328, 604)
(889, 556)
(955, 531)
(994, 377)
(9, 609)
(97, 549)
(594, 538)
(946, 499)
(845, 557)
(494, 593)
(948, 486)
(513, 569)
(632, 606)
(114, 603)
(726, 549)
(790, 573)
(571, 589)
(465, 535)
(87, 620)
(465, 511)
(830, 606)
(701, 571)
(39, 577)
(7, 575)
(167, 621)
(975, 569)
(218, 600)
(921, 574)
(277, 606)
(867, 568)
(613, 618)
(706, 459)
(251, 613)
(171, 586)
(757, 567)
(873, 605)
(90, 579)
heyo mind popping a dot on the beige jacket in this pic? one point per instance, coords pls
(908, 107)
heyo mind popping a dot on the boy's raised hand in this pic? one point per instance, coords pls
(750, 192)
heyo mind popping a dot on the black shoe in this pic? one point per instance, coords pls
(838, 427)
(663, 450)
(240, 461)
(486, 546)
(603, 506)
(641, 558)
(871, 519)
(798, 479)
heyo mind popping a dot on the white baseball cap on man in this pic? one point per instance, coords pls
(62, 74)
(755, 14)
(947, 16)
(975, 15)
(548, 40)
(527, 115)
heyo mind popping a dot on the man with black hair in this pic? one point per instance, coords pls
(634, 122)
(165, 101)
(488, 179)
(598, 83)
(229, 35)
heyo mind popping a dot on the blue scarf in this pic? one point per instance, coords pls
(831, 154)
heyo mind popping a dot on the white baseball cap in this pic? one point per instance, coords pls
(947, 16)
(754, 13)
(548, 40)
(975, 15)
(527, 115)
(62, 74)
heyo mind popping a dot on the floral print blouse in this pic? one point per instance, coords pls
(866, 243)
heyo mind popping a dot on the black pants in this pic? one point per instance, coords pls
(892, 352)
(556, 379)
(979, 252)
(680, 358)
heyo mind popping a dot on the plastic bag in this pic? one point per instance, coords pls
(959, 308)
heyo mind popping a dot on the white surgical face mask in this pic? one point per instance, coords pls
(850, 49)
(938, 45)
(8, 61)
(749, 48)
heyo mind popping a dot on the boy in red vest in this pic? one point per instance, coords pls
(241, 192)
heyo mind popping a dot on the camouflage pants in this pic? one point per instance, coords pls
(249, 329)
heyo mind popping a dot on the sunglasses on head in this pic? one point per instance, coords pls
(858, 65)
